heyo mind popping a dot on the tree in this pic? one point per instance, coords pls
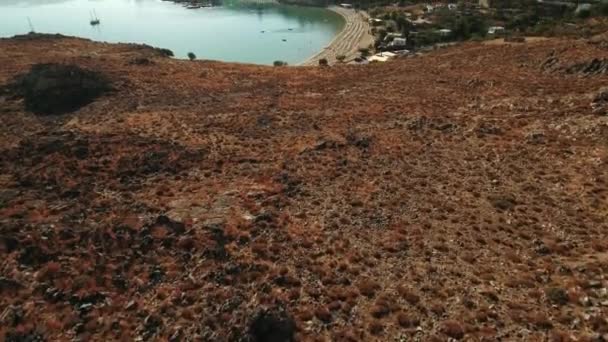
(403, 25)
(602, 8)
(584, 13)
(340, 58)
(191, 56)
(279, 63)
(323, 62)
(165, 52)
(364, 52)
(466, 27)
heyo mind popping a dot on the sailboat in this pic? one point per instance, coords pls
(94, 20)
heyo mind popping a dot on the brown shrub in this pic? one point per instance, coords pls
(452, 329)
(323, 314)
(407, 320)
(368, 287)
(409, 295)
(379, 311)
(376, 328)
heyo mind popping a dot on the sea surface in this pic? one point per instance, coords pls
(235, 31)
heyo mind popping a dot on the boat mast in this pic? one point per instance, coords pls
(94, 20)
(31, 26)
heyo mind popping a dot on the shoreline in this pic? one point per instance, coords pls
(354, 35)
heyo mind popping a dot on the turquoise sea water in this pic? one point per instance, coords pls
(233, 32)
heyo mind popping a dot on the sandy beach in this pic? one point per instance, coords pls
(355, 35)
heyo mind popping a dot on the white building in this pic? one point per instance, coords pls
(493, 30)
(444, 32)
(398, 42)
(392, 35)
(420, 21)
(382, 57)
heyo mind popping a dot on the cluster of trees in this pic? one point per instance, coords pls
(403, 25)
(537, 18)
(463, 27)
(518, 16)
(367, 4)
(600, 9)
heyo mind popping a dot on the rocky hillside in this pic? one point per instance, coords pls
(462, 194)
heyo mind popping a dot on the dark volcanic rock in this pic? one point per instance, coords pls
(593, 67)
(23, 337)
(557, 296)
(600, 102)
(272, 326)
(7, 284)
(51, 89)
(33, 255)
(174, 226)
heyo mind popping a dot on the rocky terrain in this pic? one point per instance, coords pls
(458, 195)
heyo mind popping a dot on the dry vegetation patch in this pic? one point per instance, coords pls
(462, 194)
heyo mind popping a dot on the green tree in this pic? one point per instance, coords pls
(462, 29)
(467, 27)
(364, 52)
(584, 14)
(191, 56)
(601, 9)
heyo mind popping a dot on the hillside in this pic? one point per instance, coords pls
(462, 194)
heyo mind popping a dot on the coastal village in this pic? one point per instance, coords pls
(406, 28)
